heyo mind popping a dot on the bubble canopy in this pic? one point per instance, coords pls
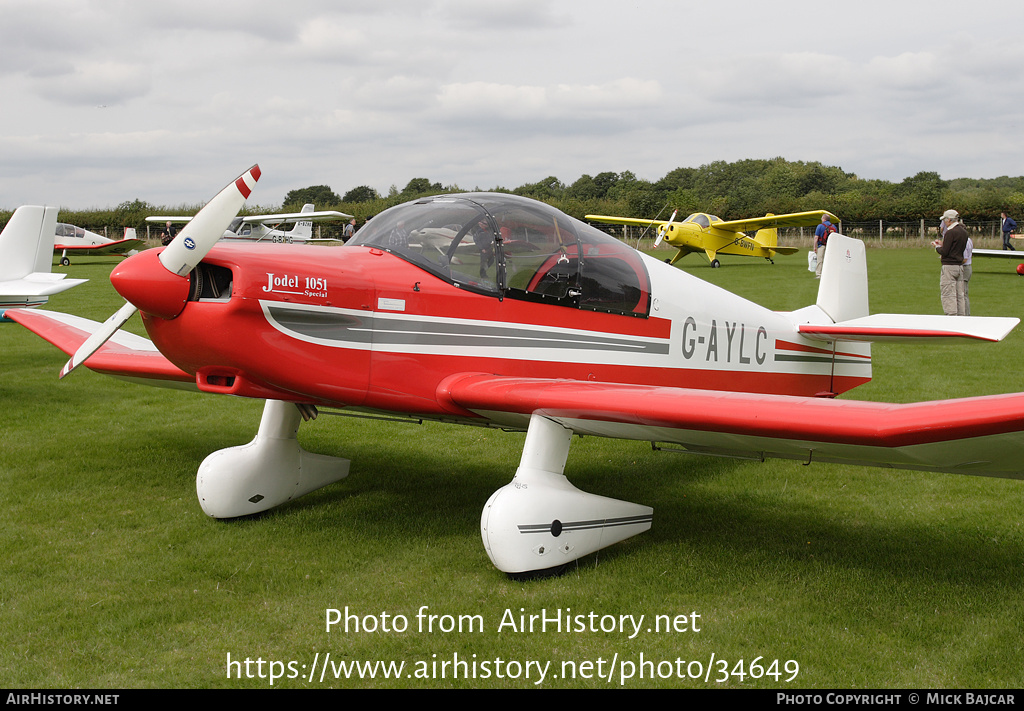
(508, 246)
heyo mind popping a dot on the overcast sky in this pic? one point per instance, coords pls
(113, 100)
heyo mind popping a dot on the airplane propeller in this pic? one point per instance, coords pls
(179, 258)
(663, 230)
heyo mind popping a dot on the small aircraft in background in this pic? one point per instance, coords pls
(266, 228)
(712, 235)
(77, 240)
(25, 259)
(543, 324)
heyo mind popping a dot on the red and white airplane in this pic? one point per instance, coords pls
(69, 239)
(495, 310)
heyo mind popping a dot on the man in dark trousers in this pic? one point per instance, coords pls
(1008, 226)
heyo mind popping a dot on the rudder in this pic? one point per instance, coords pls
(843, 291)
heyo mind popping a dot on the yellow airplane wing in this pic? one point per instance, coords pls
(627, 220)
(794, 219)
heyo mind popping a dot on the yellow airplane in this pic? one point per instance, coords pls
(713, 236)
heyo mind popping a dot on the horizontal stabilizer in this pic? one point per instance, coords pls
(909, 327)
(125, 354)
(38, 284)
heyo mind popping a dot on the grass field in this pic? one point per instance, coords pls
(113, 576)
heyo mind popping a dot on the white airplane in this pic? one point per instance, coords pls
(265, 228)
(26, 258)
(77, 240)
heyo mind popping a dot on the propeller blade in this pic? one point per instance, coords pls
(664, 229)
(181, 256)
(197, 238)
(93, 342)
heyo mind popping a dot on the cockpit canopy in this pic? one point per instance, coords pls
(702, 219)
(76, 235)
(509, 246)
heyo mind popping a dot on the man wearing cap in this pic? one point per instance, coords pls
(951, 255)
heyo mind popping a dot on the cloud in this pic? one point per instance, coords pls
(501, 15)
(561, 105)
(95, 83)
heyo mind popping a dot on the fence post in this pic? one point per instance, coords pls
(922, 228)
(879, 232)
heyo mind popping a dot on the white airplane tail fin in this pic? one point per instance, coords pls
(843, 292)
(843, 297)
(26, 244)
(303, 230)
(26, 255)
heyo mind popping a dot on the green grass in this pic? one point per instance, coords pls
(113, 576)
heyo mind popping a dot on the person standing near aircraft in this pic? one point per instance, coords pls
(967, 276)
(1008, 227)
(349, 231)
(399, 236)
(821, 233)
(167, 236)
(951, 255)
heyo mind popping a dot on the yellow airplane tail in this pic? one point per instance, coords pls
(768, 237)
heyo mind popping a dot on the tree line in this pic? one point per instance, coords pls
(744, 188)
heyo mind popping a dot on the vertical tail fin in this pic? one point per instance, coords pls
(768, 237)
(843, 292)
(26, 244)
(303, 230)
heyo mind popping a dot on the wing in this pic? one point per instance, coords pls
(979, 436)
(625, 220)
(119, 247)
(169, 218)
(286, 218)
(793, 219)
(1003, 253)
(124, 355)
